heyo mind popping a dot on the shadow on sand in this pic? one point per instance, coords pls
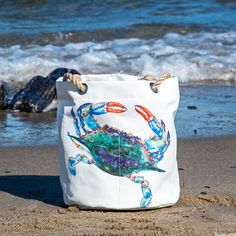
(46, 189)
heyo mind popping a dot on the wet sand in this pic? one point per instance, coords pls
(31, 198)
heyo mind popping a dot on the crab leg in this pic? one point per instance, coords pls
(83, 112)
(73, 161)
(147, 193)
(156, 145)
(155, 125)
(77, 141)
(87, 111)
(76, 123)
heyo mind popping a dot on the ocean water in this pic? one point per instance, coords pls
(198, 56)
(194, 40)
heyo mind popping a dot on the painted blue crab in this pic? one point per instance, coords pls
(114, 151)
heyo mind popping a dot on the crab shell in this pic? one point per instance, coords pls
(117, 152)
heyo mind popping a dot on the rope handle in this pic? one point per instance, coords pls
(158, 81)
(77, 81)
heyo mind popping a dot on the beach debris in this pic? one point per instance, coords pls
(203, 193)
(219, 199)
(39, 93)
(192, 107)
(4, 90)
(206, 186)
(114, 151)
(61, 211)
(13, 208)
(73, 209)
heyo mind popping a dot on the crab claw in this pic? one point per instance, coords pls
(154, 124)
(115, 107)
(144, 112)
(105, 107)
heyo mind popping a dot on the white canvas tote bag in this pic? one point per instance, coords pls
(118, 141)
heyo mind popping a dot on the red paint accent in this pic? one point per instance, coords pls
(115, 107)
(144, 112)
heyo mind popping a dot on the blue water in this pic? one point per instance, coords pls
(64, 21)
(194, 40)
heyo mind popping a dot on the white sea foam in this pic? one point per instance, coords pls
(191, 57)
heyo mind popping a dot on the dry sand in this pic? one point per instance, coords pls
(31, 199)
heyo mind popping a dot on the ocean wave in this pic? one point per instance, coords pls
(195, 56)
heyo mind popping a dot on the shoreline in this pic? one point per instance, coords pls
(181, 139)
(31, 197)
(200, 114)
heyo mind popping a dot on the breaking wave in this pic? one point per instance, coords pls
(195, 56)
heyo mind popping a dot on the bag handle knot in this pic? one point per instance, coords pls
(76, 80)
(158, 81)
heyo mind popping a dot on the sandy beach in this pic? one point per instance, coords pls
(31, 198)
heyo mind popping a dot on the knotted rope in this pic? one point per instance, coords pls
(76, 80)
(158, 81)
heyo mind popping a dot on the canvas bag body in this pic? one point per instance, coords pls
(98, 176)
